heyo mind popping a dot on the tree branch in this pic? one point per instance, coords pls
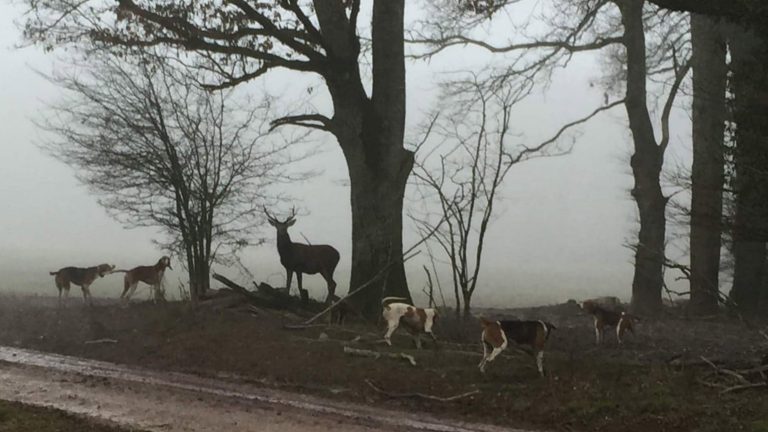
(313, 121)
(556, 136)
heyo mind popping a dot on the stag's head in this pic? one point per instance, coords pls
(281, 226)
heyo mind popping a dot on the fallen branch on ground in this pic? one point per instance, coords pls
(377, 355)
(302, 326)
(264, 296)
(100, 341)
(420, 395)
(743, 383)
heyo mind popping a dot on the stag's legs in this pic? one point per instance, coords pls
(288, 277)
(331, 286)
(302, 292)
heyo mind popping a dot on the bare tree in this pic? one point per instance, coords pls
(647, 160)
(162, 152)
(463, 174)
(635, 58)
(241, 41)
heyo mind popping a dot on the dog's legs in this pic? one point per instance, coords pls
(540, 362)
(417, 339)
(598, 332)
(126, 287)
(87, 295)
(59, 296)
(481, 365)
(130, 288)
(133, 289)
(619, 330)
(391, 327)
(494, 353)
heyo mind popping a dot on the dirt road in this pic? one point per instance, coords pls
(159, 401)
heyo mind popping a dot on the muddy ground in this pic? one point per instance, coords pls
(656, 381)
(17, 417)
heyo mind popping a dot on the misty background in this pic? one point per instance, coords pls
(558, 232)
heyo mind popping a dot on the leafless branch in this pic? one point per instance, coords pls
(420, 395)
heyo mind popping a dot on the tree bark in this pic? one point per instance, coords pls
(467, 304)
(646, 164)
(749, 63)
(370, 132)
(709, 81)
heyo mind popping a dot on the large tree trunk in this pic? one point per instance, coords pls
(467, 304)
(709, 80)
(370, 132)
(750, 73)
(646, 164)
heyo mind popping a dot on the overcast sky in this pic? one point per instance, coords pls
(559, 231)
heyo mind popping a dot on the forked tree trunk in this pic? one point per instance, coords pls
(370, 132)
(750, 73)
(709, 81)
(646, 162)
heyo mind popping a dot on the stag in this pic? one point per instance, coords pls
(301, 258)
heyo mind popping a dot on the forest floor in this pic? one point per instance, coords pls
(658, 380)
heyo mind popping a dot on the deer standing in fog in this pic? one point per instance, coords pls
(300, 258)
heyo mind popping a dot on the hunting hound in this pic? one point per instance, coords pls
(605, 317)
(82, 277)
(150, 275)
(416, 320)
(497, 334)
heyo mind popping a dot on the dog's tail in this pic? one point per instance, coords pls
(118, 271)
(548, 327)
(53, 273)
(388, 299)
(631, 316)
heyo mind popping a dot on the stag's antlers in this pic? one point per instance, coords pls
(274, 219)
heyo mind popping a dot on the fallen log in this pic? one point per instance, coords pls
(265, 296)
(100, 341)
(377, 354)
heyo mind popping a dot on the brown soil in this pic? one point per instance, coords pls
(651, 383)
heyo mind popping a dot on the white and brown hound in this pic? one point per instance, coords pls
(150, 275)
(416, 320)
(82, 277)
(497, 334)
(605, 317)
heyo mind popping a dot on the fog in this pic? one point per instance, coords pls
(559, 231)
